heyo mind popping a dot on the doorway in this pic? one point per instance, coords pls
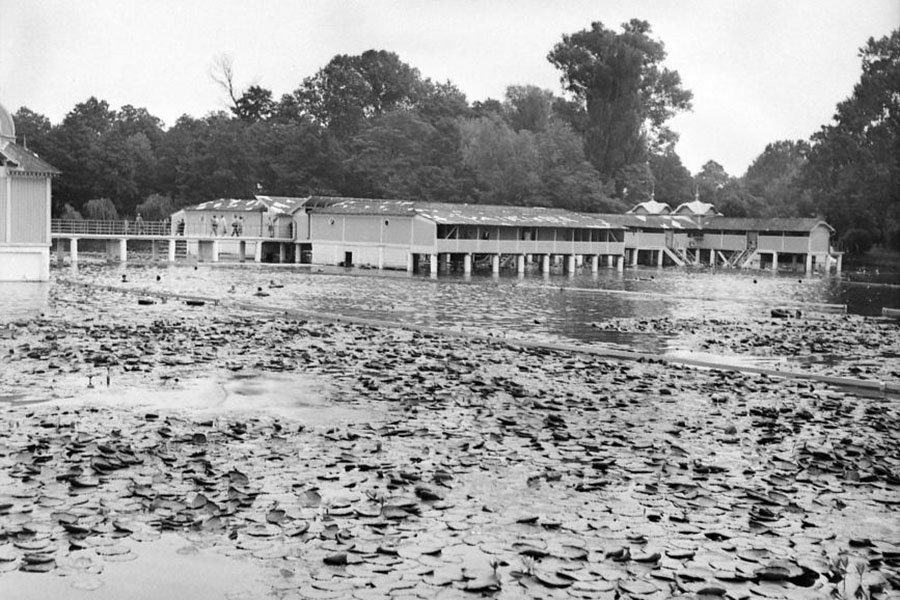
(348, 259)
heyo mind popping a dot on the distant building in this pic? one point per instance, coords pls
(24, 208)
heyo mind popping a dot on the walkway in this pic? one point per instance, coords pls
(205, 246)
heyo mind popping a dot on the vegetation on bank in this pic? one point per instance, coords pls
(371, 125)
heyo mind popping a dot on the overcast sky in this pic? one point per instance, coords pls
(760, 70)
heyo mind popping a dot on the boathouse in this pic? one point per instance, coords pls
(401, 234)
(24, 208)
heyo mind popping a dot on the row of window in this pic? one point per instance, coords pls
(528, 234)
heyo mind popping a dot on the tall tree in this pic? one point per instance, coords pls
(853, 169)
(627, 94)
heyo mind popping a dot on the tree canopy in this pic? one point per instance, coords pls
(618, 80)
(371, 125)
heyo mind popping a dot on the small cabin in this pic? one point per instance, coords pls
(24, 208)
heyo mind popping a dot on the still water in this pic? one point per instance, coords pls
(554, 308)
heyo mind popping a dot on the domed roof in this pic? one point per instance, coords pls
(7, 126)
(650, 207)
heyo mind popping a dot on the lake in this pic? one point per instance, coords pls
(550, 308)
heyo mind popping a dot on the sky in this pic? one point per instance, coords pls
(760, 70)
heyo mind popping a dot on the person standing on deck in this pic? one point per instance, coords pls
(215, 225)
(234, 226)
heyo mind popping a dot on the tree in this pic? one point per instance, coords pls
(76, 148)
(773, 178)
(853, 168)
(101, 209)
(673, 183)
(504, 163)
(156, 208)
(32, 129)
(636, 183)
(350, 89)
(619, 81)
(710, 181)
(566, 179)
(528, 107)
(255, 104)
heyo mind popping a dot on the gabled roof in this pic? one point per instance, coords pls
(463, 214)
(695, 207)
(23, 160)
(650, 207)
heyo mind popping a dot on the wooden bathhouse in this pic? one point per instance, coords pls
(25, 181)
(408, 235)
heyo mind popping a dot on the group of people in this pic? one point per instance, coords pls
(219, 225)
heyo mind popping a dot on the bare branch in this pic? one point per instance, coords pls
(222, 73)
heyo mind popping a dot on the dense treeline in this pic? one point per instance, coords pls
(373, 126)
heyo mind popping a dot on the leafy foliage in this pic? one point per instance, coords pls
(372, 125)
(101, 209)
(627, 95)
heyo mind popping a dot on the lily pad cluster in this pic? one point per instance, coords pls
(473, 468)
(840, 345)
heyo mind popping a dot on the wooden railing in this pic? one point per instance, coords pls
(123, 227)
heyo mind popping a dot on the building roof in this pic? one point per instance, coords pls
(464, 214)
(695, 207)
(231, 205)
(23, 160)
(650, 207)
(716, 223)
(759, 224)
(283, 204)
(278, 204)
